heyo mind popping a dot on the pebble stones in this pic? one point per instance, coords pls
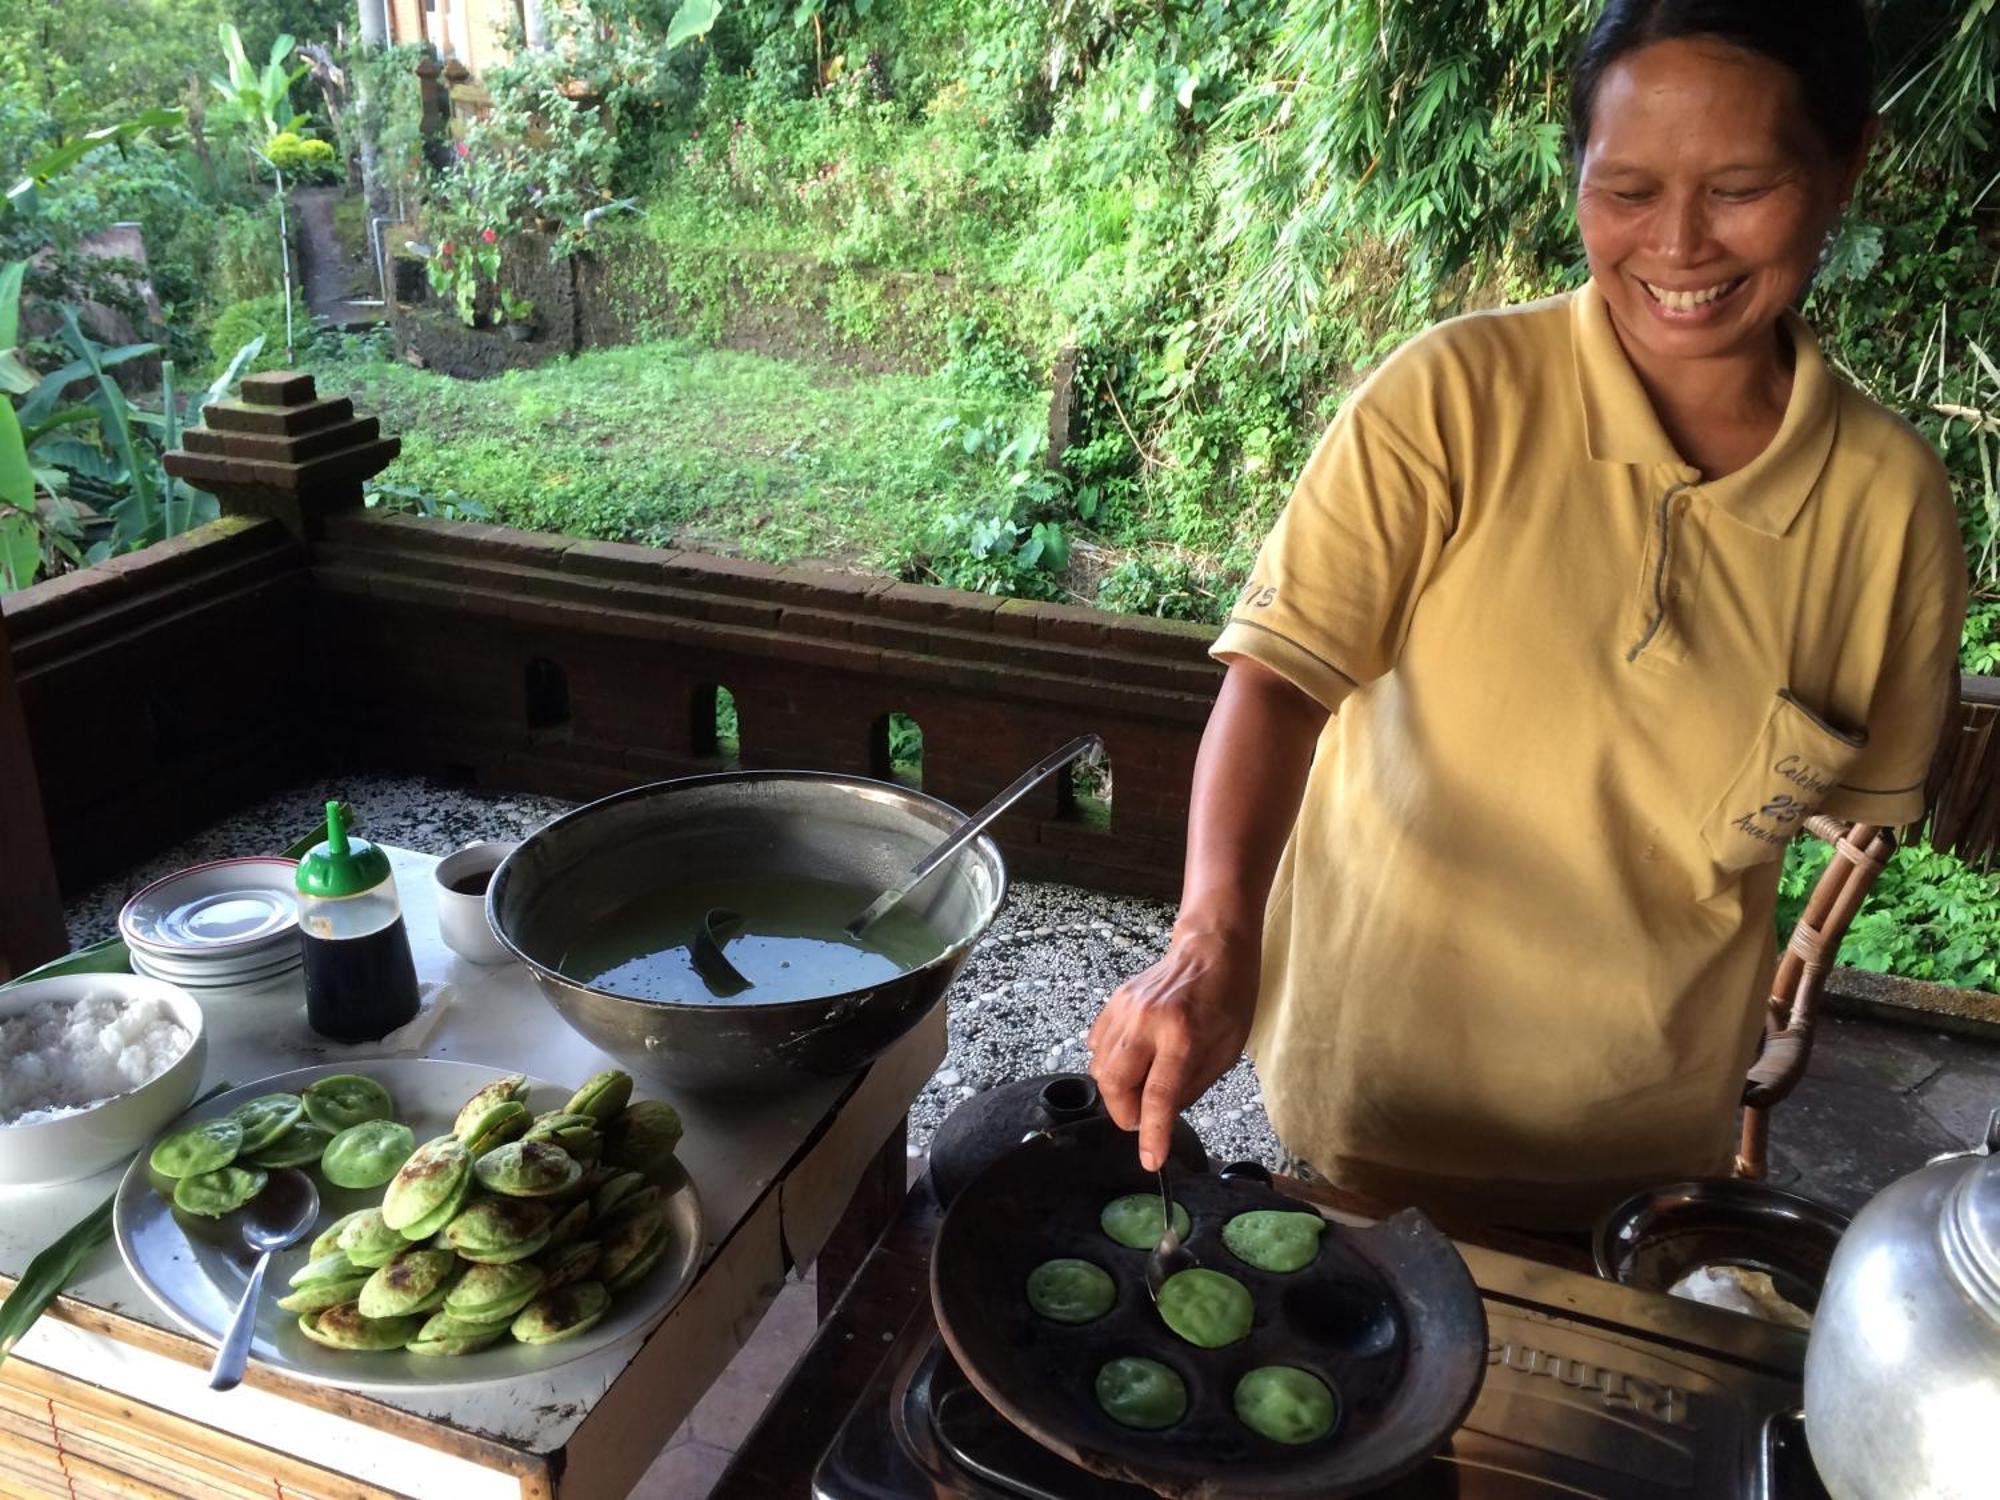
(1027, 997)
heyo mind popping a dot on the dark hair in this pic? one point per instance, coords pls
(1824, 43)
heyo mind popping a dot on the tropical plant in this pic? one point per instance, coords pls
(257, 101)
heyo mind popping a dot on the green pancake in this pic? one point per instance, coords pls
(323, 1282)
(206, 1147)
(369, 1242)
(1286, 1405)
(1134, 1220)
(264, 1120)
(601, 1097)
(344, 1327)
(343, 1099)
(300, 1146)
(413, 1282)
(1206, 1308)
(1071, 1291)
(562, 1314)
(367, 1155)
(443, 1335)
(213, 1194)
(329, 1237)
(432, 1182)
(1273, 1240)
(1141, 1393)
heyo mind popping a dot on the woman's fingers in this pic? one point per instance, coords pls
(1166, 1089)
(1121, 1065)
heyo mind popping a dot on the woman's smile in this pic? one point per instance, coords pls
(1685, 305)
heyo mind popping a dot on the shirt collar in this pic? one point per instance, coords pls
(1620, 425)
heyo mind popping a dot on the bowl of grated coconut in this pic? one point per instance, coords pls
(91, 1067)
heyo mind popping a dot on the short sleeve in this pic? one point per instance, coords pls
(1917, 683)
(1329, 601)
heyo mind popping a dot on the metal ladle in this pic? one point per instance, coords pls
(719, 924)
(278, 1216)
(975, 825)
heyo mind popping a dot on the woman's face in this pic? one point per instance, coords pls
(1704, 197)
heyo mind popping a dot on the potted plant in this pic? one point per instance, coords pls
(517, 316)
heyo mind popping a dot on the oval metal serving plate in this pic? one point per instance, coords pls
(1388, 1317)
(196, 1269)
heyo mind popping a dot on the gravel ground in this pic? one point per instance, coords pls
(1021, 1007)
(1026, 998)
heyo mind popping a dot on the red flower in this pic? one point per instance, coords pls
(488, 236)
(462, 149)
(445, 249)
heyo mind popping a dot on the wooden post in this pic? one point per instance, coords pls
(31, 918)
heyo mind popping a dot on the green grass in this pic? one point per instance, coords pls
(669, 443)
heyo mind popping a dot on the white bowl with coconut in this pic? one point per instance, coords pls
(91, 1067)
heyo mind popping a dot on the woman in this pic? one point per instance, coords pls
(1577, 611)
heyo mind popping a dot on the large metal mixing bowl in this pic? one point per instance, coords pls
(586, 866)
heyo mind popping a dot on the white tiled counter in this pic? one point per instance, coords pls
(107, 1384)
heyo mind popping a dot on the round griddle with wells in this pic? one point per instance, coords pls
(1388, 1317)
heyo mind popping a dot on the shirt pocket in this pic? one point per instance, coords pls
(1793, 764)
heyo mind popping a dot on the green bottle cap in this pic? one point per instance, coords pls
(342, 866)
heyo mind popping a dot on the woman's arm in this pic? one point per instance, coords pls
(1167, 1034)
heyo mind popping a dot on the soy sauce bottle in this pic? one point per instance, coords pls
(361, 983)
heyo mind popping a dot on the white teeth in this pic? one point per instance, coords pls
(1687, 301)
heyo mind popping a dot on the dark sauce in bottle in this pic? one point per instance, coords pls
(359, 989)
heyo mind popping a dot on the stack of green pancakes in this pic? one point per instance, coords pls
(513, 1225)
(1206, 1308)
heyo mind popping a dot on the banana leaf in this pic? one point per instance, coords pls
(57, 1266)
(110, 956)
(10, 302)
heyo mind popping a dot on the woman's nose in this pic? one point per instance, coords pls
(1681, 227)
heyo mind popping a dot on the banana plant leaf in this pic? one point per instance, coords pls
(10, 302)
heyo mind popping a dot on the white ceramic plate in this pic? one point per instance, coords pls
(227, 906)
(234, 971)
(195, 1269)
(284, 982)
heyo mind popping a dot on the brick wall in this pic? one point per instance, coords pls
(163, 689)
(540, 663)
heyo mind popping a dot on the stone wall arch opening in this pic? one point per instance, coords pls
(715, 728)
(1084, 794)
(896, 750)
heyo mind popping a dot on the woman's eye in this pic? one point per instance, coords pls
(1740, 194)
(1633, 195)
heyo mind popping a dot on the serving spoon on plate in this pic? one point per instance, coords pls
(277, 1217)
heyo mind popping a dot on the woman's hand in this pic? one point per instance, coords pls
(1168, 1033)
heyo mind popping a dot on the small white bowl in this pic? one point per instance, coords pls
(81, 1144)
(462, 914)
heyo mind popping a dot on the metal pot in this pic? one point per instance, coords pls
(583, 866)
(1903, 1366)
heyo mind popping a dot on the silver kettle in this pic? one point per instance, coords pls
(1902, 1388)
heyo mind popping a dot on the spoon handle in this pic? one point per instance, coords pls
(971, 828)
(227, 1371)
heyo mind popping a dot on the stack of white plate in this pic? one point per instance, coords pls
(218, 929)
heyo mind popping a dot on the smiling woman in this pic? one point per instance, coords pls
(1577, 613)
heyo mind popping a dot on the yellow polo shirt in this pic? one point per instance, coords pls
(1516, 952)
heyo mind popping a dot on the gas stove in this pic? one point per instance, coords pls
(1592, 1391)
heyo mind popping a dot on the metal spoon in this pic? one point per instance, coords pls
(277, 1217)
(1169, 1255)
(972, 827)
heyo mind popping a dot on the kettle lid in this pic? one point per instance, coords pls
(1971, 1229)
